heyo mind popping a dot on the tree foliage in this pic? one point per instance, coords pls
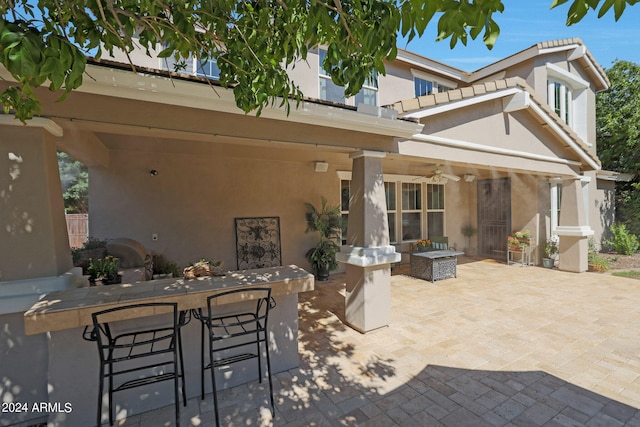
(74, 177)
(253, 42)
(618, 137)
(618, 119)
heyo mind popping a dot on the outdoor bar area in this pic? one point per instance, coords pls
(74, 363)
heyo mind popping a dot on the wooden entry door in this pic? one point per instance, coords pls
(494, 217)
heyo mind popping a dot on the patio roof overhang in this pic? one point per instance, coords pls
(114, 100)
(159, 87)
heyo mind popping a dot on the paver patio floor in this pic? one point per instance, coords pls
(499, 345)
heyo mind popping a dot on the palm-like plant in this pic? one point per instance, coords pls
(328, 223)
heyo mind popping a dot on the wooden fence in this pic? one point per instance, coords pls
(78, 229)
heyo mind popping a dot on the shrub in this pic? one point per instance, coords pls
(624, 242)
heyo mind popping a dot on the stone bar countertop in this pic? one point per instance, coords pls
(72, 308)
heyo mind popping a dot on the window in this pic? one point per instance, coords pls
(202, 68)
(345, 195)
(208, 68)
(435, 210)
(411, 211)
(329, 91)
(559, 99)
(555, 196)
(427, 87)
(390, 195)
(405, 209)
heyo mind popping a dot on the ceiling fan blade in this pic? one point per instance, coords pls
(455, 178)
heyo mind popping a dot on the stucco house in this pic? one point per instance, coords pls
(421, 151)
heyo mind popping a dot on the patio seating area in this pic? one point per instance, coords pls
(498, 345)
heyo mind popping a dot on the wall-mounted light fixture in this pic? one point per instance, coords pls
(321, 166)
(469, 177)
(153, 172)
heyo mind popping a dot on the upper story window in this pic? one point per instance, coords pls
(427, 87)
(329, 91)
(559, 98)
(207, 68)
(567, 95)
(428, 84)
(201, 68)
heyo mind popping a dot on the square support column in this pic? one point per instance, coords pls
(33, 236)
(574, 230)
(368, 254)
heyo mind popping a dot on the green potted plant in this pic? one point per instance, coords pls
(104, 270)
(550, 251)
(519, 240)
(469, 231)
(327, 221)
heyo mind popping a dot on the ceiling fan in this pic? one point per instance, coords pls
(438, 175)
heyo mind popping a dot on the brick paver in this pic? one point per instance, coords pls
(498, 345)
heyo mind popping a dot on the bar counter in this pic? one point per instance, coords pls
(73, 362)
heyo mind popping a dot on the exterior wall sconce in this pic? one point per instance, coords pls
(321, 166)
(153, 172)
(469, 178)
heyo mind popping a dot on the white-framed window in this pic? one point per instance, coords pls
(391, 199)
(207, 68)
(559, 98)
(345, 196)
(391, 202)
(202, 68)
(435, 210)
(329, 91)
(428, 87)
(567, 95)
(411, 211)
(406, 210)
(555, 197)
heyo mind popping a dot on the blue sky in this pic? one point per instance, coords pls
(527, 22)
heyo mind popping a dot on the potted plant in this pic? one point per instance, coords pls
(469, 231)
(519, 240)
(104, 271)
(328, 223)
(423, 245)
(550, 251)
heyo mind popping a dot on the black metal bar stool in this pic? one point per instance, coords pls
(132, 358)
(244, 331)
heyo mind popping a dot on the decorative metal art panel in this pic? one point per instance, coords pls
(258, 242)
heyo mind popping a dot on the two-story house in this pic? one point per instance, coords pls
(421, 151)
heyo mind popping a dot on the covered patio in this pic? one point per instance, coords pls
(498, 345)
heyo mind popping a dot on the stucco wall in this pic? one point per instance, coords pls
(192, 202)
(33, 240)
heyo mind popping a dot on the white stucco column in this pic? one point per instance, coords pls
(574, 229)
(368, 254)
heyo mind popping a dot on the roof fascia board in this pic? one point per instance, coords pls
(433, 77)
(563, 135)
(574, 81)
(547, 50)
(37, 122)
(491, 149)
(435, 67)
(136, 86)
(466, 102)
(510, 61)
